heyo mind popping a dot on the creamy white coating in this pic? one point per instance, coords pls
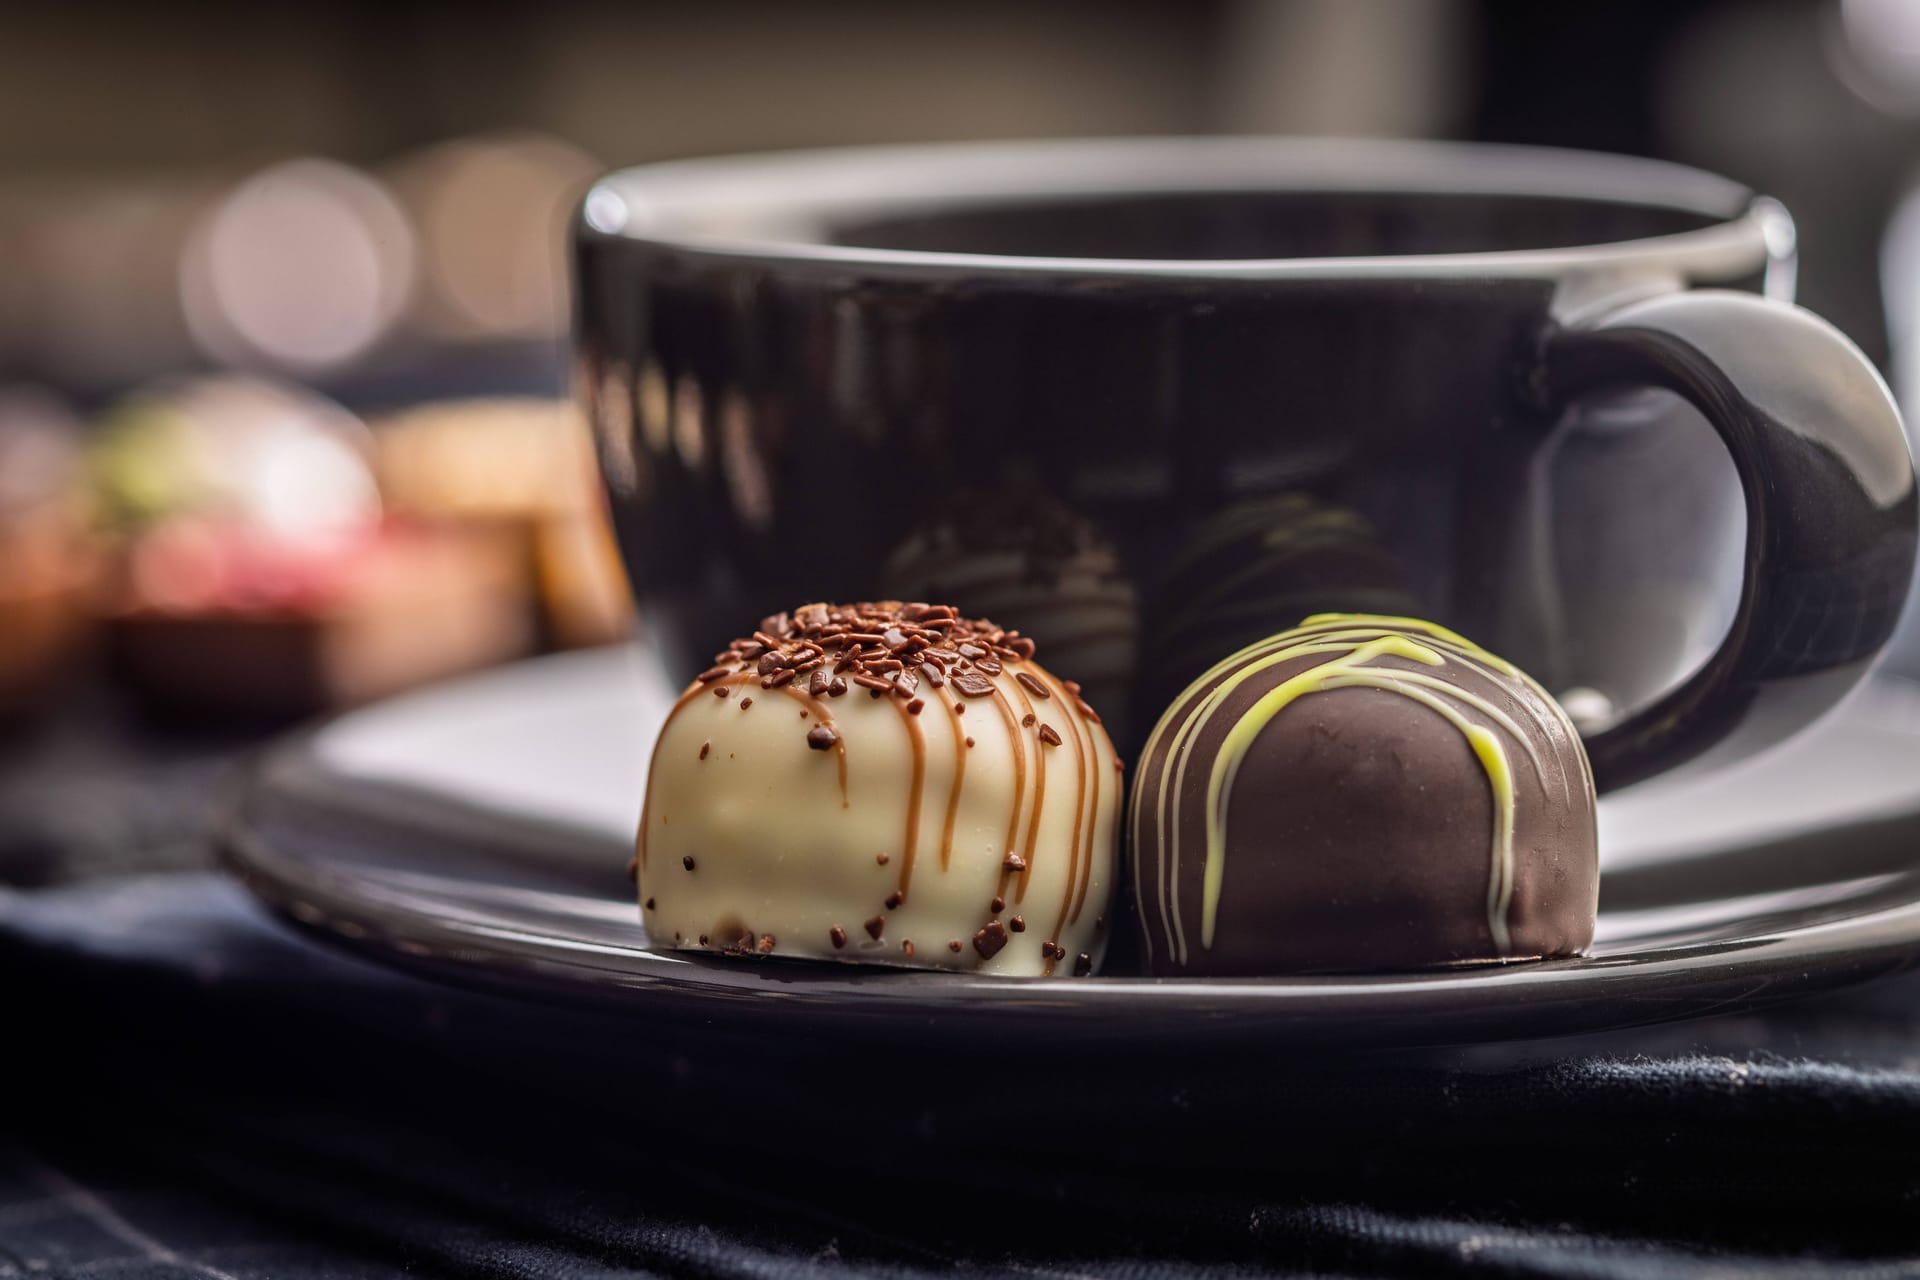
(780, 851)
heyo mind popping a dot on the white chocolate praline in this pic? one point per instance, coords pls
(752, 839)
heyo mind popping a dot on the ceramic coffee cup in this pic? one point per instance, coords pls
(1150, 400)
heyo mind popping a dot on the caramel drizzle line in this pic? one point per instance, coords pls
(1015, 728)
(1081, 850)
(911, 845)
(646, 805)
(825, 718)
(815, 705)
(1019, 783)
(1079, 811)
(1093, 819)
(959, 776)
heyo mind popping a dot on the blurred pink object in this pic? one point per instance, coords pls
(260, 576)
(48, 558)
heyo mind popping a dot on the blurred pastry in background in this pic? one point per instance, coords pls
(525, 468)
(272, 463)
(1030, 562)
(48, 555)
(258, 574)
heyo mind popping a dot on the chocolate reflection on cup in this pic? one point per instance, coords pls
(653, 408)
(1252, 570)
(748, 486)
(689, 422)
(1028, 561)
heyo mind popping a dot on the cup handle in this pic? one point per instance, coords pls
(1829, 486)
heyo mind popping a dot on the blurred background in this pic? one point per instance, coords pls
(284, 417)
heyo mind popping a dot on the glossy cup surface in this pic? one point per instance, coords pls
(1151, 400)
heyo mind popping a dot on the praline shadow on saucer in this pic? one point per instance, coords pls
(883, 782)
(1362, 793)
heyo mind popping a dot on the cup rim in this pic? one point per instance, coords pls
(772, 207)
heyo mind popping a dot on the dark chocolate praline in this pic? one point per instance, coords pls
(1362, 794)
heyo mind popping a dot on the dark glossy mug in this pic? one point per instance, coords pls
(1150, 400)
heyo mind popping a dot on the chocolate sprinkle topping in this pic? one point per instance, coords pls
(990, 939)
(1031, 685)
(1083, 965)
(886, 647)
(1049, 735)
(915, 707)
(1014, 862)
(649, 904)
(838, 937)
(954, 945)
(721, 691)
(998, 904)
(704, 748)
(1018, 924)
(821, 738)
(745, 703)
(687, 862)
(883, 858)
(906, 946)
(876, 927)
(895, 898)
(975, 685)
(1026, 721)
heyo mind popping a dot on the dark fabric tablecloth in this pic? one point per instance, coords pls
(196, 1089)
